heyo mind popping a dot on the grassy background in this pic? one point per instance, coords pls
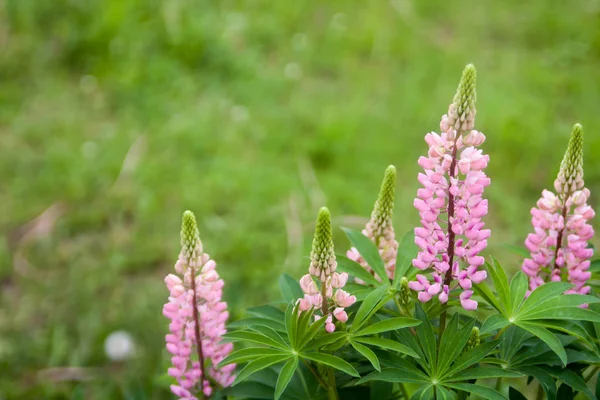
(117, 115)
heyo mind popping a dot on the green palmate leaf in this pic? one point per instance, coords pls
(410, 341)
(368, 305)
(355, 269)
(269, 312)
(407, 250)
(453, 342)
(545, 380)
(500, 283)
(570, 378)
(369, 252)
(471, 357)
(250, 390)
(286, 374)
(254, 337)
(493, 322)
(290, 288)
(251, 353)
(444, 394)
(540, 353)
(484, 373)
(381, 390)
(561, 313)
(426, 336)
(387, 344)
(325, 340)
(259, 364)
(310, 333)
(549, 338)
(424, 393)
(395, 375)
(483, 391)
(270, 333)
(514, 337)
(389, 324)
(542, 294)
(249, 322)
(303, 325)
(518, 288)
(367, 353)
(514, 394)
(486, 293)
(291, 324)
(331, 361)
(595, 266)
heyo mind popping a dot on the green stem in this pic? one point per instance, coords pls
(593, 372)
(500, 332)
(540, 393)
(303, 380)
(316, 374)
(332, 390)
(404, 391)
(498, 383)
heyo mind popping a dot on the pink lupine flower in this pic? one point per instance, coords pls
(198, 319)
(331, 300)
(559, 245)
(379, 228)
(453, 183)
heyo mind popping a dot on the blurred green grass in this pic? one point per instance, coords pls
(117, 115)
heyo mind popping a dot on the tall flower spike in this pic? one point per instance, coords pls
(559, 245)
(327, 298)
(379, 228)
(453, 184)
(198, 319)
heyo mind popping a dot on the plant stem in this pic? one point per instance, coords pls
(540, 393)
(559, 239)
(324, 306)
(451, 235)
(316, 374)
(332, 390)
(500, 332)
(498, 383)
(404, 391)
(197, 329)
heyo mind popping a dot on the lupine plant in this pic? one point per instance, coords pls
(425, 316)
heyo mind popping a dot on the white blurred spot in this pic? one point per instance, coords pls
(239, 114)
(89, 149)
(299, 41)
(119, 346)
(293, 71)
(339, 22)
(88, 83)
(236, 22)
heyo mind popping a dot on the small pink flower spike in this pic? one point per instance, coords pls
(559, 245)
(330, 300)
(379, 229)
(198, 319)
(453, 182)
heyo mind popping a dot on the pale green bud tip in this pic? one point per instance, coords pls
(322, 256)
(462, 111)
(384, 206)
(570, 176)
(474, 339)
(404, 292)
(190, 236)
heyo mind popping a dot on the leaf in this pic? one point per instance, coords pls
(407, 250)
(311, 332)
(570, 378)
(595, 266)
(424, 393)
(269, 333)
(483, 391)
(302, 324)
(367, 353)
(394, 375)
(381, 390)
(426, 337)
(249, 322)
(518, 288)
(268, 311)
(324, 340)
(286, 374)
(387, 344)
(542, 294)
(257, 365)
(253, 390)
(543, 378)
(290, 288)
(500, 283)
(367, 306)
(548, 337)
(369, 252)
(291, 324)
(251, 353)
(332, 361)
(493, 322)
(353, 268)
(470, 357)
(255, 337)
(453, 342)
(484, 373)
(514, 337)
(568, 313)
(390, 324)
(486, 293)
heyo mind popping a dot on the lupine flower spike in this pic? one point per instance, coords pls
(559, 244)
(323, 286)
(379, 229)
(453, 183)
(198, 318)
